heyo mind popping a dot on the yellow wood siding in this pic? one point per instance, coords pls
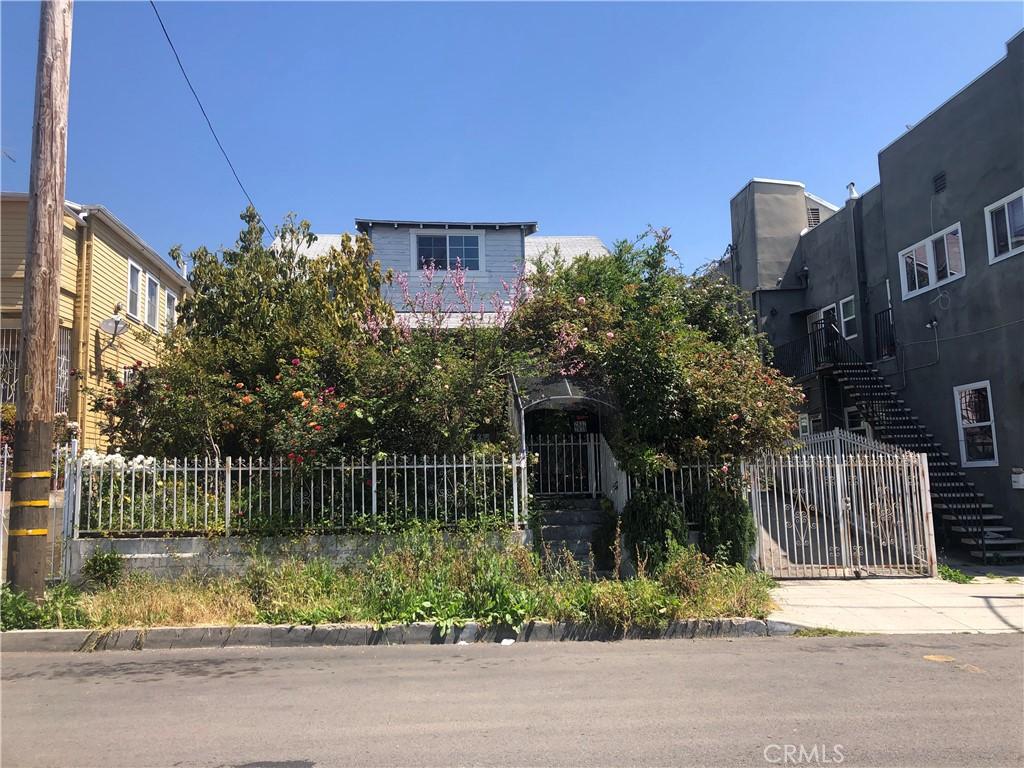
(109, 287)
(13, 239)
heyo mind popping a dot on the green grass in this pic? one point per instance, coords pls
(824, 632)
(421, 575)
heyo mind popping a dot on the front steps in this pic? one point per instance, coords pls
(570, 524)
(965, 517)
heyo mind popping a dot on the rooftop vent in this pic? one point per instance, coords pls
(939, 182)
(813, 217)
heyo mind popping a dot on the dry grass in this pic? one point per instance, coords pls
(140, 601)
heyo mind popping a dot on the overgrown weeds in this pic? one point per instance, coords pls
(424, 574)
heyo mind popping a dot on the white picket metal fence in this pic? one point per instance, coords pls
(114, 495)
(842, 516)
(840, 442)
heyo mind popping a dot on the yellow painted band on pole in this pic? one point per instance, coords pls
(28, 532)
(31, 474)
(31, 503)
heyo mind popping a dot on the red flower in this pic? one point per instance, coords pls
(318, 427)
(239, 385)
(298, 459)
(291, 455)
(295, 361)
(120, 385)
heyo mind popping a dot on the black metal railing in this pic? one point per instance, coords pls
(794, 358)
(885, 334)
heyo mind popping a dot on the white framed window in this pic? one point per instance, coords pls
(443, 249)
(848, 317)
(152, 301)
(975, 423)
(127, 374)
(854, 422)
(804, 424)
(932, 262)
(134, 304)
(170, 311)
(1004, 227)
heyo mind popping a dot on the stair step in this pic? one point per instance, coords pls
(551, 517)
(985, 528)
(972, 519)
(993, 541)
(999, 554)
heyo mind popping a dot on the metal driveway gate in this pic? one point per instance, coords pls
(825, 516)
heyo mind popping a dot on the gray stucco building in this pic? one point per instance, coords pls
(901, 313)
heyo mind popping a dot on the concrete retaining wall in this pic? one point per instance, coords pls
(169, 558)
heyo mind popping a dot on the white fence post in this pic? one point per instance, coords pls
(515, 492)
(373, 487)
(592, 466)
(227, 496)
(926, 512)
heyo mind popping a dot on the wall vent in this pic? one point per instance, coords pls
(813, 217)
(939, 182)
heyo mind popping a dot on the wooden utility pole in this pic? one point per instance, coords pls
(37, 365)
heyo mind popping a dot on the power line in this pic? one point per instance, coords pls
(206, 116)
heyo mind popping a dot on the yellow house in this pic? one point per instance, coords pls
(107, 271)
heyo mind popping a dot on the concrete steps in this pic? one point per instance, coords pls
(569, 524)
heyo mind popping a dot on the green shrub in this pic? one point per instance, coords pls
(706, 588)
(60, 609)
(17, 611)
(725, 522)
(640, 602)
(949, 573)
(301, 592)
(649, 518)
(104, 567)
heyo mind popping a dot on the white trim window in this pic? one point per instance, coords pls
(152, 301)
(804, 424)
(854, 422)
(975, 423)
(134, 304)
(932, 262)
(128, 374)
(443, 249)
(1004, 227)
(170, 311)
(848, 317)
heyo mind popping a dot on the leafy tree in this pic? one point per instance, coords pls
(678, 353)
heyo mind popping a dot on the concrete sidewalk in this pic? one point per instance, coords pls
(902, 606)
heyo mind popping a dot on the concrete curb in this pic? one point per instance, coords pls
(420, 633)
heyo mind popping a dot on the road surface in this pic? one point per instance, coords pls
(930, 701)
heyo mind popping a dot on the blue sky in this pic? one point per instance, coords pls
(589, 118)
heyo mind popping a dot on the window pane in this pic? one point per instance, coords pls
(911, 274)
(1015, 208)
(974, 406)
(939, 250)
(133, 291)
(152, 293)
(1000, 236)
(170, 311)
(432, 250)
(921, 266)
(978, 444)
(954, 254)
(471, 252)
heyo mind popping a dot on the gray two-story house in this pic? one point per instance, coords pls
(901, 312)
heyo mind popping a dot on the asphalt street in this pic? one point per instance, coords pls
(930, 701)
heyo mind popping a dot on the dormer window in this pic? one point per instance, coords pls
(447, 250)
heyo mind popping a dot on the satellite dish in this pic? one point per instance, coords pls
(114, 326)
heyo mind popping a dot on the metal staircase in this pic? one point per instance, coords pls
(965, 517)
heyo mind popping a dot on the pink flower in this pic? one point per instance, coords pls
(725, 467)
(581, 300)
(733, 417)
(610, 335)
(295, 361)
